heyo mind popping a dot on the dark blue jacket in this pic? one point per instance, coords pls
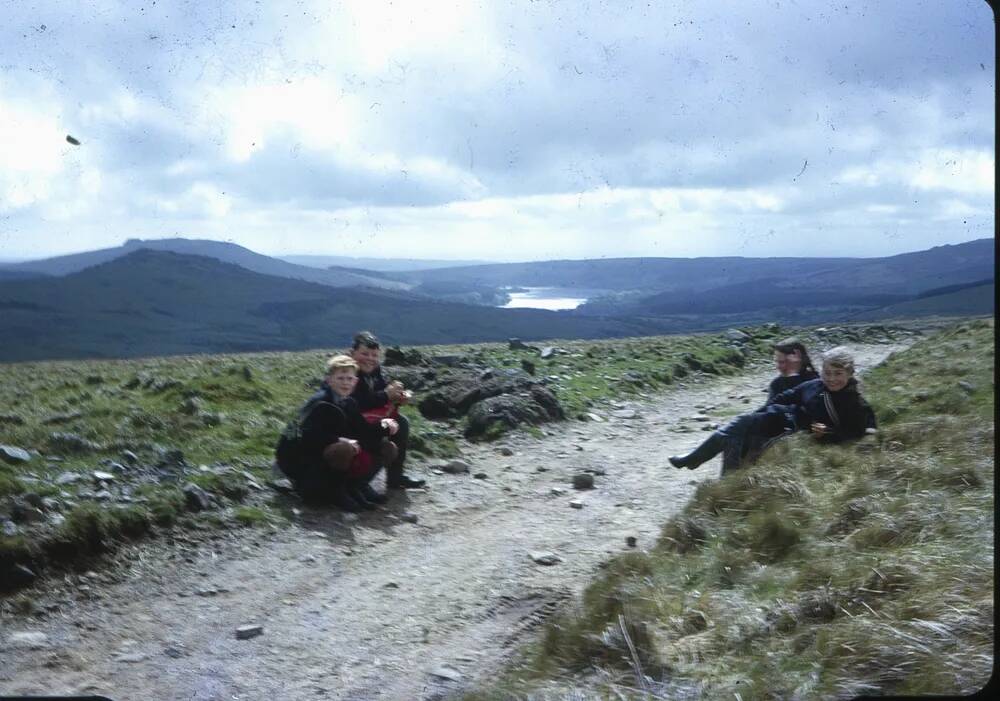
(782, 383)
(369, 393)
(327, 416)
(846, 412)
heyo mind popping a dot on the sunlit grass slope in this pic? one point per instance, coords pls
(820, 572)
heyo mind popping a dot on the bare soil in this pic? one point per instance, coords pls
(378, 607)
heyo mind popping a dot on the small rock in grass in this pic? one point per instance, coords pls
(14, 455)
(196, 498)
(68, 478)
(409, 518)
(630, 541)
(480, 476)
(103, 476)
(249, 631)
(576, 504)
(624, 413)
(506, 452)
(583, 480)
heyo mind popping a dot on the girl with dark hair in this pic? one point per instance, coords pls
(792, 361)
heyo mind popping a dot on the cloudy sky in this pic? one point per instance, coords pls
(498, 130)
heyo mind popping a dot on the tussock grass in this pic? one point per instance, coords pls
(822, 571)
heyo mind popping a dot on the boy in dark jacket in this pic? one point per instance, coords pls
(338, 452)
(830, 407)
(378, 398)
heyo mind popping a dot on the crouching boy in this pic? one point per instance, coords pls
(830, 408)
(333, 453)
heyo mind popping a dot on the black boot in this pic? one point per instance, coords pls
(369, 493)
(712, 446)
(359, 496)
(345, 501)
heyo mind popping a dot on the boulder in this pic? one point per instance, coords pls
(510, 410)
(737, 335)
(394, 355)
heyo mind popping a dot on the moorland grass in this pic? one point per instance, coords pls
(227, 410)
(821, 571)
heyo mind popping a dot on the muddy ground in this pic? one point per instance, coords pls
(377, 607)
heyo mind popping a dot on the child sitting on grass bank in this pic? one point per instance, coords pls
(830, 407)
(336, 452)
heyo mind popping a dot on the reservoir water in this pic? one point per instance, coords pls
(552, 298)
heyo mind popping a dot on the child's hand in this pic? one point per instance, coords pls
(394, 391)
(351, 442)
(392, 425)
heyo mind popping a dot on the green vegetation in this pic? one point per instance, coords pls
(822, 571)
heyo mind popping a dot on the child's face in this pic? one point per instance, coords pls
(835, 378)
(342, 381)
(367, 358)
(787, 363)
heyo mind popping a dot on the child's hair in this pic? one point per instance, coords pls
(839, 357)
(366, 339)
(341, 362)
(794, 345)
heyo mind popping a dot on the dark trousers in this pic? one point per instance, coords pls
(748, 435)
(394, 470)
(320, 482)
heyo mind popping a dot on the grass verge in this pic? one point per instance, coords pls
(822, 571)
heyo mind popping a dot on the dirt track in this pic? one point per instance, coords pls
(371, 608)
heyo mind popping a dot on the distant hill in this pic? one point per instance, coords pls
(376, 264)
(651, 274)
(18, 274)
(849, 283)
(220, 250)
(976, 300)
(161, 303)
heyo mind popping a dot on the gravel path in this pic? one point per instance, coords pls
(378, 607)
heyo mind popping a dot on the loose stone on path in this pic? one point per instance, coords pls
(545, 558)
(249, 631)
